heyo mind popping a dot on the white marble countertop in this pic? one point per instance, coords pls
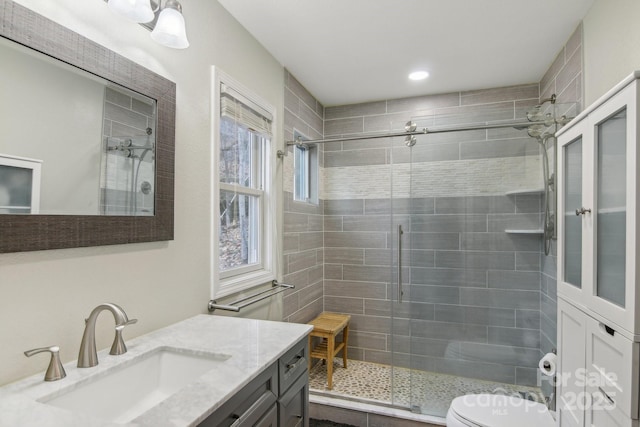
(252, 344)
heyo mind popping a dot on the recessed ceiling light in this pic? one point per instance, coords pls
(418, 75)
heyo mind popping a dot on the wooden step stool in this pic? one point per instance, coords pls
(327, 326)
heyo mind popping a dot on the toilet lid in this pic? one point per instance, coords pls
(492, 410)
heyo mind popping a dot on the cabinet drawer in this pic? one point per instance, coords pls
(292, 365)
(249, 406)
(612, 366)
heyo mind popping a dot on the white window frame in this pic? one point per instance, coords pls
(242, 278)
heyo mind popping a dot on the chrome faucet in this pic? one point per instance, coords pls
(88, 356)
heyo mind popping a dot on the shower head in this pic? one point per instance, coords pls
(535, 114)
(535, 131)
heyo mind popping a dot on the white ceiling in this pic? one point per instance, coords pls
(350, 51)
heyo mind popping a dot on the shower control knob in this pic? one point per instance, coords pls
(582, 211)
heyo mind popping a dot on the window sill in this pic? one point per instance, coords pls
(235, 284)
(307, 202)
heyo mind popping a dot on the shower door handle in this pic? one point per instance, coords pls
(400, 232)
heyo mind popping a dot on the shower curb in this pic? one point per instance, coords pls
(363, 411)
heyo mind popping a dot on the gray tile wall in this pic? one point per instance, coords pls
(125, 116)
(564, 78)
(473, 307)
(303, 222)
(483, 304)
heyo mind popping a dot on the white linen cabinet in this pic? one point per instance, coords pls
(599, 300)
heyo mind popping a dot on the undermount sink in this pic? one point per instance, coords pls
(128, 391)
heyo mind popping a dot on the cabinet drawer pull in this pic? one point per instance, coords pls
(609, 330)
(257, 409)
(582, 211)
(295, 364)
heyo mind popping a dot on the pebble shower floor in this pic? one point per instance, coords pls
(372, 382)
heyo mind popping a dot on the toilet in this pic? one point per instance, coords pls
(494, 410)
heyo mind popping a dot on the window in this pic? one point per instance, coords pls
(244, 220)
(305, 167)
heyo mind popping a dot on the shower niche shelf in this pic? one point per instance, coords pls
(524, 191)
(516, 231)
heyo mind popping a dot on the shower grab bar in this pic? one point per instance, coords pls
(400, 232)
(238, 304)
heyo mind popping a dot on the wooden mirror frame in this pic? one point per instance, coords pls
(20, 233)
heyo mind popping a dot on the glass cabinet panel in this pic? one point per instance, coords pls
(19, 185)
(572, 222)
(611, 213)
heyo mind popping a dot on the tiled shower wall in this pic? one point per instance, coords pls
(126, 116)
(484, 310)
(475, 295)
(303, 228)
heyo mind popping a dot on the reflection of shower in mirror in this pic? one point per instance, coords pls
(128, 176)
(128, 156)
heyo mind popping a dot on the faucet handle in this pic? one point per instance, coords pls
(118, 347)
(55, 371)
(130, 322)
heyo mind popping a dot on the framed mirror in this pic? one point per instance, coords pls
(87, 141)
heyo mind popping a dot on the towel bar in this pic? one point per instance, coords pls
(236, 305)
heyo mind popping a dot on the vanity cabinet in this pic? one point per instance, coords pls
(277, 397)
(597, 227)
(293, 401)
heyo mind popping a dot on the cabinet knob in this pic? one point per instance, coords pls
(582, 211)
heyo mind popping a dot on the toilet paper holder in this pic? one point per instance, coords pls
(550, 400)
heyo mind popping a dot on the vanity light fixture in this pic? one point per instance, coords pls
(170, 29)
(166, 23)
(134, 10)
(418, 75)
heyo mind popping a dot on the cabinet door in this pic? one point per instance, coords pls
(611, 207)
(270, 419)
(573, 195)
(597, 181)
(612, 369)
(571, 365)
(613, 151)
(293, 406)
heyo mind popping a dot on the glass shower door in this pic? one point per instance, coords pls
(471, 266)
(399, 235)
